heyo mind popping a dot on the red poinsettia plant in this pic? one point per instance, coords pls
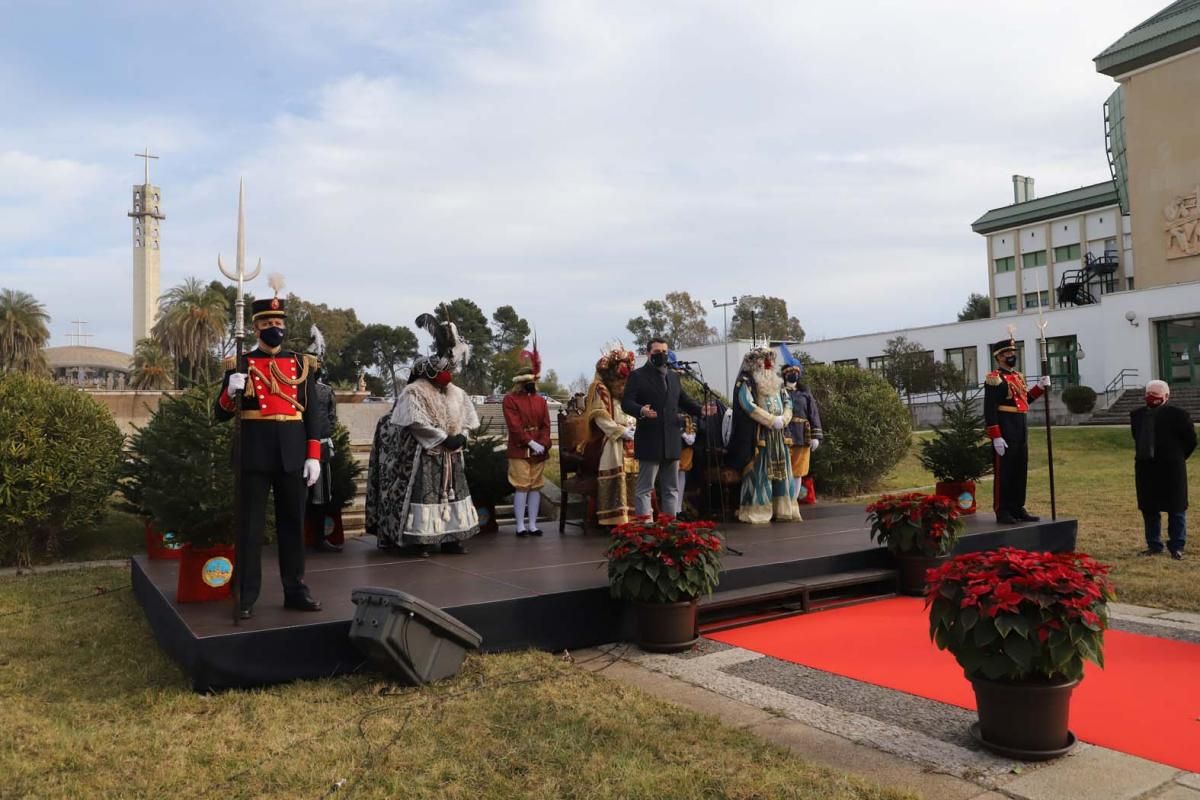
(663, 559)
(915, 523)
(1016, 615)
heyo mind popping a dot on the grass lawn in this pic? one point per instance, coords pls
(92, 708)
(1093, 475)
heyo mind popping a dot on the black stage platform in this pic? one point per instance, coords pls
(549, 593)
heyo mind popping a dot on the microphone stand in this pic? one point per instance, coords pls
(712, 463)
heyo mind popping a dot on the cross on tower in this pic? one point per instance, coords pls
(146, 156)
(80, 338)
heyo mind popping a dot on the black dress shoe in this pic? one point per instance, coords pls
(522, 534)
(1025, 516)
(454, 548)
(535, 532)
(1005, 518)
(326, 546)
(1177, 555)
(301, 602)
(246, 613)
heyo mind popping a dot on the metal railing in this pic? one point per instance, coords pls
(1125, 379)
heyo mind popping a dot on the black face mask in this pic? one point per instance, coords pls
(530, 388)
(1011, 361)
(658, 359)
(272, 337)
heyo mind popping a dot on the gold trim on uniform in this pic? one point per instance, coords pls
(254, 413)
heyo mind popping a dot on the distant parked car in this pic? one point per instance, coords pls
(495, 398)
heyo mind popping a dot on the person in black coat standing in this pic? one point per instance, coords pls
(654, 396)
(1164, 437)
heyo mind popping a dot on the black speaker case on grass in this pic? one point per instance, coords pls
(406, 637)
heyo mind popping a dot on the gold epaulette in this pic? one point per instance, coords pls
(229, 362)
(311, 362)
(993, 379)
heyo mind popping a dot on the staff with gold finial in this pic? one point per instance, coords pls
(1045, 353)
(239, 277)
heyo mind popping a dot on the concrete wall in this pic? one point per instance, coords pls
(1161, 121)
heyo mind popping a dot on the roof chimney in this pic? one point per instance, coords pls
(1022, 189)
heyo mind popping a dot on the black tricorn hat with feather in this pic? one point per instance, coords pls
(449, 350)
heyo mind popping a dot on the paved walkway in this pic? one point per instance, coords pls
(890, 737)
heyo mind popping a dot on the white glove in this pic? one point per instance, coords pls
(812, 444)
(237, 383)
(777, 424)
(536, 448)
(627, 435)
(1000, 445)
(1044, 381)
(312, 471)
(689, 439)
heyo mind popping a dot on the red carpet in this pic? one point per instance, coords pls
(1144, 702)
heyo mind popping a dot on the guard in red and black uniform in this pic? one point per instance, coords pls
(1006, 400)
(527, 418)
(280, 450)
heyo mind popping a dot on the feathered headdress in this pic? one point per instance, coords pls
(615, 361)
(449, 350)
(755, 358)
(275, 281)
(531, 364)
(316, 342)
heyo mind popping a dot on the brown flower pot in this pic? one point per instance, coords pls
(912, 571)
(666, 627)
(1024, 719)
(962, 493)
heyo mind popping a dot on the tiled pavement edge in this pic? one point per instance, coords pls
(891, 737)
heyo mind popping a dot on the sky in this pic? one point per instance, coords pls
(572, 159)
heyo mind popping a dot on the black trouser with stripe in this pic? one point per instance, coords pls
(290, 495)
(1011, 469)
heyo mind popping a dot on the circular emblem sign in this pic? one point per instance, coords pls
(217, 571)
(965, 501)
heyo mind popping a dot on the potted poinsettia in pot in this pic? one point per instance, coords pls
(919, 530)
(959, 453)
(1021, 625)
(663, 566)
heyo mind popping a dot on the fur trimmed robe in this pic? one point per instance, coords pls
(424, 499)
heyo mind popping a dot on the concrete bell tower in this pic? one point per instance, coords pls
(146, 215)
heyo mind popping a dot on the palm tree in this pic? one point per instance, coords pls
(153, 368)
(23, 332)
(191, 324)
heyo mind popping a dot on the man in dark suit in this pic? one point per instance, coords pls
(1163, 437)
(273, 391)
(655, 398)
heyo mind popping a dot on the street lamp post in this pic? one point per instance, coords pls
(725, 317)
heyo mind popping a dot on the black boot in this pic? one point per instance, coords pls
(300, 600)
(1024, 516)
(1005, 518)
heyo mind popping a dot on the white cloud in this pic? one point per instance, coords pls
(575, 158)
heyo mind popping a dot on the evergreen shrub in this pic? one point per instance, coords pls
(59, 455)
(867, 429)
(1079, 399)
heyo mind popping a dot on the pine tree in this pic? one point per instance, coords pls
(959, 450)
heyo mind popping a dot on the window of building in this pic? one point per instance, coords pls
(965, 362)
(1007, 303)
(1007, 264)
(1031, 299)
(1035, 259)
(877, 364)
(1062, 353)
(1068, 252)
(847, 362)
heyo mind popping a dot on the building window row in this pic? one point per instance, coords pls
(847, 362)
(1068, 252)
(1035, 259)
(1006, 303)
(1007, 264)
(1032, 298)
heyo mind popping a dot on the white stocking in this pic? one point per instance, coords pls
(519, 509)
(535, 500)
